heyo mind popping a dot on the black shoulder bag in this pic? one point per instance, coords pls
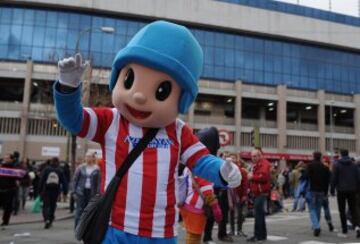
(94, 220)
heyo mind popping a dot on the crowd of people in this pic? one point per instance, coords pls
(263, 188)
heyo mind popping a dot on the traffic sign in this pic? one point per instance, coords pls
(225, 137)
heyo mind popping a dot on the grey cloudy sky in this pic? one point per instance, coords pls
(348, 7)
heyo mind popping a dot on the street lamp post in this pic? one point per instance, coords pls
(105, 29)
(331, 130)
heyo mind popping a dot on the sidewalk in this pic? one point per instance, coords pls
(26, 216)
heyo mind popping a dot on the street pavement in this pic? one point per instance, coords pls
(283, 228)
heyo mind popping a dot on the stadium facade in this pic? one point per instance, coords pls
(291, 71)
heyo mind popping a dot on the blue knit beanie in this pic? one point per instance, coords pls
(169, 48)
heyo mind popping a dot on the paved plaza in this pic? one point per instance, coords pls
(283, 228)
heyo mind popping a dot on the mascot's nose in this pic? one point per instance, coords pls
(139, 98)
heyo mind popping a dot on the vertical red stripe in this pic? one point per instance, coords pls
(148, 195)
(104, 120)
(171, 198)
(85, 125)
(122, 149)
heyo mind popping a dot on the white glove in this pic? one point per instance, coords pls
(230, 173)
(71, 69)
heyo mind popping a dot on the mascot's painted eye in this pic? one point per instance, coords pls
(129, 79)
(163, 90)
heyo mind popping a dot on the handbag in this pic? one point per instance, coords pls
(94, 220)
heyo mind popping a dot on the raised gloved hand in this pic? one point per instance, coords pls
(217, 212)
(71, 69)
(230, 173)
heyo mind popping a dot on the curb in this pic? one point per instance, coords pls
(69, 216)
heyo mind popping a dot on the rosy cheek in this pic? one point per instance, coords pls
(116, 99)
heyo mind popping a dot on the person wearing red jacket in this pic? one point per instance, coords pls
(260, 183)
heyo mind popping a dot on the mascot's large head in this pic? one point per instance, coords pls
(156, 75)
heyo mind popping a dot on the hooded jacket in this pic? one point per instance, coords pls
(210, 138)
(345, 176)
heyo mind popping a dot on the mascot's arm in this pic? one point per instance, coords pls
(89, 123)
(68, 108)
(208, 167)
(197, 157)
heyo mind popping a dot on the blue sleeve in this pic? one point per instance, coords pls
(208, 167)
(68, 107)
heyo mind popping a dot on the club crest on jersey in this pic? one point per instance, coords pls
(155, 143)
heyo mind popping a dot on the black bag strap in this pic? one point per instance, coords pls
(107, 199)
(130, 159)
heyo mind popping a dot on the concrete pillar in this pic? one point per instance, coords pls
(238, 104)
(262, 117)
(191, 115)
(281, 117)
(357, 122)
(321, 121)
(25, 107)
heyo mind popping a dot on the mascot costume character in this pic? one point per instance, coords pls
(152, 79)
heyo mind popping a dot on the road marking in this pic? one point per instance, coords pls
(315, 242)
(276, 238)
(277, 218)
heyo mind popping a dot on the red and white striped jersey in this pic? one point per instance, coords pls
(194, 202)
(145, 203)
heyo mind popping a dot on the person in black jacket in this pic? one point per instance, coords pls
(50, 181)
(318, 176)
(357, 162)
(346, 181)
(210, 138)
(8, 188)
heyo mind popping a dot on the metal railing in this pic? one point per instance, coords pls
(303, 142)
(45, 127)
(348, 144)
(10, 125)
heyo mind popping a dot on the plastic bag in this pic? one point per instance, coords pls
(36, 208)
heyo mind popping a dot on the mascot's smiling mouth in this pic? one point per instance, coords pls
(137, 114)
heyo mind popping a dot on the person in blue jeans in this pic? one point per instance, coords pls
(325, 204)
(318, 176)
(260, 184)
(299, 200)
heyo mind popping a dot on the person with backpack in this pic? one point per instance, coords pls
(50, 182)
